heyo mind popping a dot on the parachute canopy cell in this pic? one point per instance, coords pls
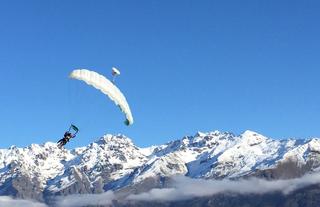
(105, 86)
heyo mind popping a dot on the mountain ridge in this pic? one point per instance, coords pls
(114, 162)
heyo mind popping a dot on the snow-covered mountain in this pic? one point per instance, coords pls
(115, 163)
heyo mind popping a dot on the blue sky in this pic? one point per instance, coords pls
(186, 66)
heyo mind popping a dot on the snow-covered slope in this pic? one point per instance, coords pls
(41, 162)
(114, 162)
(108, 159)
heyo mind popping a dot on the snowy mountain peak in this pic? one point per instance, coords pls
(111, 143)
(200, 134)
(249, 133)
(110, 139)
(252, 138)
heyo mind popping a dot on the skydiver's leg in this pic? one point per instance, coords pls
(61, 142)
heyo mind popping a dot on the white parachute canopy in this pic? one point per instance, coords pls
(115, 71)
(105, 86)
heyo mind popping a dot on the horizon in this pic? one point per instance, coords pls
(169, 141)
(186, 66)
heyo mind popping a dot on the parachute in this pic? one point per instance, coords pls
(115, 72)
(105, 86)
(74, 129)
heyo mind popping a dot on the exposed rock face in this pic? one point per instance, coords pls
(115, 163)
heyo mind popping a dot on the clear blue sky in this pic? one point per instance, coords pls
(186, 66)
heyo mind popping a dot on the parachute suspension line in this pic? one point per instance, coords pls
(69, 105)
(73, 97)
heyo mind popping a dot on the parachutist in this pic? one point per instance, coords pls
(67, 136)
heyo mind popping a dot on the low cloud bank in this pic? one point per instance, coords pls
(6, 201)
(182, 188)
(78, 200)
(185, 188)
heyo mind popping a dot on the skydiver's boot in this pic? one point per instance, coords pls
(61, 143)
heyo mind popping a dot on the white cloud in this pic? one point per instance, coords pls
(185, 188)
(6, 201)
(79, 200)
(182, 188)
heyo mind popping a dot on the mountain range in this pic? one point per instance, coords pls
(115, 164)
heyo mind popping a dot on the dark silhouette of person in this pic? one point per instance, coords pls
(66, 138)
